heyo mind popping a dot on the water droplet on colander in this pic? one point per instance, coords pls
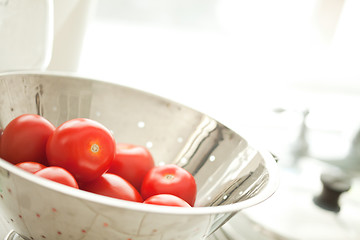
(179, 139)
(225, 197)
(97, 114)
(212, 158)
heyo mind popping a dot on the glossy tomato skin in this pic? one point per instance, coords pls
(59, 175)
(24, 139)
(112, 185)
(83, 147)
(170, 179)
(31, 167)
(132, 162)
(167, 200)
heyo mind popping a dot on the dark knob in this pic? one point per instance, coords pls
(334, 184)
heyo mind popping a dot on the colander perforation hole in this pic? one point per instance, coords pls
(184, 161)
(149, 144)
(141, 124)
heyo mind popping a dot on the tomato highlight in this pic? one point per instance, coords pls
(167, 200)
(114, 186)
(31, 167)
(59, 175)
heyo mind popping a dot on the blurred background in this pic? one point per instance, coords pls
(238, 61)
(282, 73)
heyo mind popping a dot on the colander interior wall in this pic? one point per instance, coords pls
(227, 169)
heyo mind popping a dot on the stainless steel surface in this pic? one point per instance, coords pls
(12, 235)
(231, 175)
(348, 162)
(218, 235)
(292, 212)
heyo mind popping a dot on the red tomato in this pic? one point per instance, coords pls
(31, 167)
(169, 179)
(131, 162)
(83, 147)
(167, 200)
(0, 140)
(24, 139)
(58, 174)
(112, 185)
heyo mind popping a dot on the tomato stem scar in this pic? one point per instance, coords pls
(169, 176)
(95, 148)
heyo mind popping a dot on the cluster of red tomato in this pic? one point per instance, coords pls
(83, 154)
